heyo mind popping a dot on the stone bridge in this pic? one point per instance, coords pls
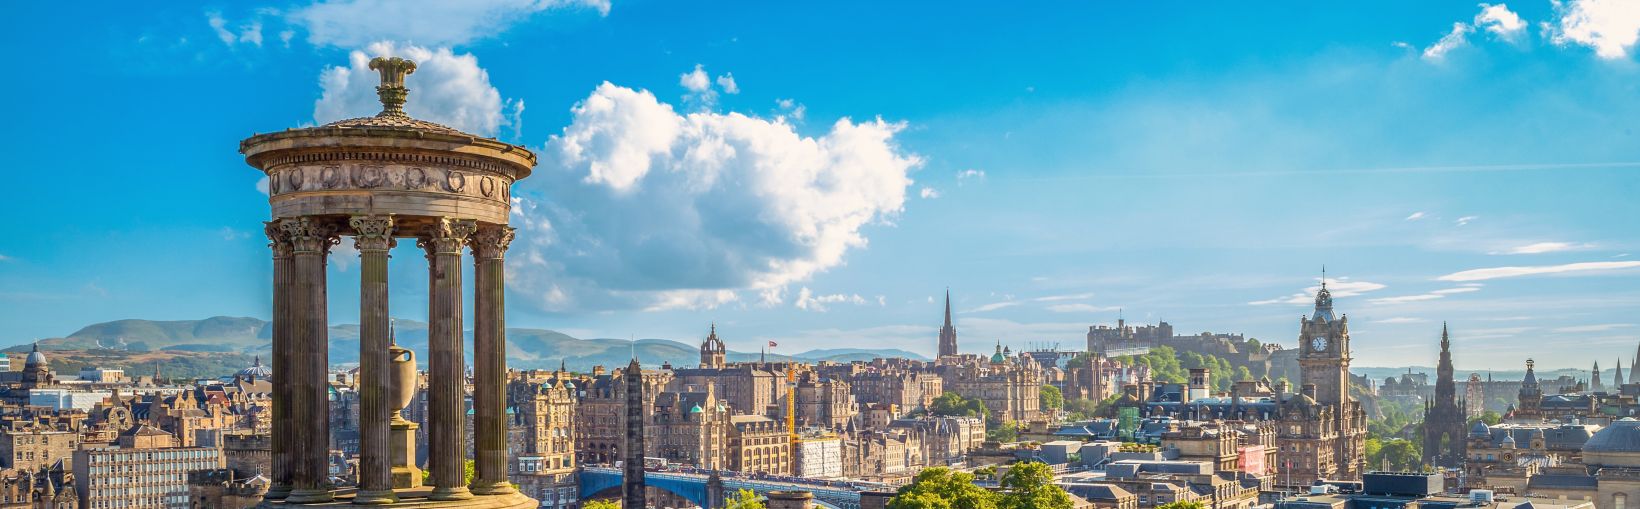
(692, 486)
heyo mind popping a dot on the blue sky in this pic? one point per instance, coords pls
(818, 175)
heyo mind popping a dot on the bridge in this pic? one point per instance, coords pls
(692, 486)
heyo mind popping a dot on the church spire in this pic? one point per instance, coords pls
(948, 333)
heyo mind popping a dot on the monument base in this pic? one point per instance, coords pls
(417, 498)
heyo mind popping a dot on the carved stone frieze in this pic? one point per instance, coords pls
(379, 176)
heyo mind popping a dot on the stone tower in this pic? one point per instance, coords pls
(712, 351)
(948, 334)
(632, 451)
(1531, 394)
(1325, 358)
(1594, 377)
(1444, 443)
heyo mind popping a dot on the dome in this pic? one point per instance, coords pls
(998, 358)
(1479, 429)
(1508, 441)
(35, 358)
(697, 409)
(255, 371)
(1616, 445)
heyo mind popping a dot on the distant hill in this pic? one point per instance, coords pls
(244, 337)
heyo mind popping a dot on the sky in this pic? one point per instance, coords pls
(819, 175)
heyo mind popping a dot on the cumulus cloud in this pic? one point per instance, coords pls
(249, 33)
(696, 81)
(701, 94)
(1609, 27)
(1544, 247)
(1338, 287)
(791, 108)
(1501, 22)
(636, 205)
(355, 23)
(929, 193)
(1506, 272)
(447, 87)
(727, 83)
(1452, 40)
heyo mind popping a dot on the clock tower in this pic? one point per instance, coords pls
(1324, 360)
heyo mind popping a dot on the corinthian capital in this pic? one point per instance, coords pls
(278, 241)
(310, 235)
(372, 233)
(446, 236)
(491, 241)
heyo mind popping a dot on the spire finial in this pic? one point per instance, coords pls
(1323, 276)
(392, 91)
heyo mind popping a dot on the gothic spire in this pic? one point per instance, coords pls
(947, 307)
(1617, 381)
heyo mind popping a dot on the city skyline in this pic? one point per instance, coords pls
(1446, 163)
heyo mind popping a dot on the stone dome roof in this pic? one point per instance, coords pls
(35, 358)
(255, 371)
(1620, 436)
(392, 121)
(1480, 429)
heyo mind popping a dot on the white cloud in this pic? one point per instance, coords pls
(1452, 40)
(806, 300)
(1080, 308)
(993, 306)
(249, 33)
(1400, 319)
(1401, 44)
(1339, 287)
(1503, 272)
(791, 108)
(696, 81)
(727, 83)
(634, 200)
(230, 234)
(1415, 216)
(262, 185)
(929, 193)
(1603, 327)
(1500, 21)
(1437, 294)
(970, 174)
(355, 23)
(447, 88)
(1544, 247)
(1610, 27)
(1059, 298)
(4, 258)
(1466, 220)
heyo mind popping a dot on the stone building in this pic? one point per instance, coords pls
(1010, 386)
(146, 470)
(758, 444)
(689, 427)
(32, 447)
(600, 412)
(544, 467)
(1333, 444)
(1506, 457)
(746, 387)
(824, 402)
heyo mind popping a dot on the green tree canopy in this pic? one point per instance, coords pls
(953, 404)
(600, 504)
(1005, 432)
(943, 488)
(1030, 485)
(1181, 504)
(744, 499)
(1051, 398)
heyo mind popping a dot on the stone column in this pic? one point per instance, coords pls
(282, 376)
(373, 237)
(446, 408)
(310, 239)
(489, 360)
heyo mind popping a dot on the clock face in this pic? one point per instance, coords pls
(1319, 343)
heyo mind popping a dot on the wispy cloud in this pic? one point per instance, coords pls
(1504, 272)
(1058, 298)
(808, 301)
(4, 258)
(993, 306)
(1401, 319)
(969, 174)
(1437, 294)
(1545, 247)
(1081, 308)
(1415, 216)
(1603, 327)
(1339, 287)
(1466, 220)
(1451, 41)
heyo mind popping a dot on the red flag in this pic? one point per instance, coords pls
(773, 344)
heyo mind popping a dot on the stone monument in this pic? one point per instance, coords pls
(379, 179)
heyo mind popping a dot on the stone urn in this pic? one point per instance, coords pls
(404, 374)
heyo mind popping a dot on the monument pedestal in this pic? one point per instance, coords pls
(403, 441)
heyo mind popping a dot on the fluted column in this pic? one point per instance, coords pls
(373, 237)
(489, 360)
(446, 381)
(310, 239)
(281, 426)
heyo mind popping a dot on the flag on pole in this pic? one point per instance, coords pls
(773, 344)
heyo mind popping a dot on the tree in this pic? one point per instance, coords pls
(600, 504)
(1051, 398)
(744, 499)
(1030, 485)
(1253, 344)
(954, 405)
(1005, 432)
(1181, 504)
(943, 488)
